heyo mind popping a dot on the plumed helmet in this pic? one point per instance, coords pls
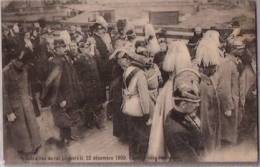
(65, 36)
(207, 53)
(102, 22)
(149, 31)
(177, 57)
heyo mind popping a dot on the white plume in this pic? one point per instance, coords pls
(177, 57)
(213, 36)
(65, 36)
(208, 53)
(153, 45)
(149, 31)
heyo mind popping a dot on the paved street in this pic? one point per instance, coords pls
(101, 146)
(95, 146)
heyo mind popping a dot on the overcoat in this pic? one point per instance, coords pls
(227, 84)
(62, 85)
(24, 131)
(210, 114)
(87, 70)
(114, 107)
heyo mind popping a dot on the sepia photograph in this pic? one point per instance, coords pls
(126, 81)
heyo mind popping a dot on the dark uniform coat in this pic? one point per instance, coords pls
(182, 138)
(210, 114)
(114, 107)
(103, 60)
(228, 88)
(24, 131)
(61, 85)
(86, 67)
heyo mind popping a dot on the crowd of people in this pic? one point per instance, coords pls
(168, 100)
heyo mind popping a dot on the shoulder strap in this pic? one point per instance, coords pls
(129, 77)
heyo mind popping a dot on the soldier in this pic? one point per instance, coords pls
(104, 48)
(121, 34)
(210, 111)
(175, 127)
(248, 94)
(10, 44)
(87, 70)
(228, 87)
(62, 89)
(193, 42)
(18, 109)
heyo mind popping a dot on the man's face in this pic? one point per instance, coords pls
(27, 35)
(60, 50)
(19, 64)
(198, 32)
(123, 62)
(188, 107)
(73, 47)
(6, 32)
(101, 31)
(16, 29)
(35, 33)
(163, 44)
(50, 46)
(209, 70)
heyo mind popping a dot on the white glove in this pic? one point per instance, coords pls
(11, 117)
(228, 113)
(63, 103)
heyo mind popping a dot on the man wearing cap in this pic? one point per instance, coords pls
(120, 36)
(159, 57)
(248, 93)
(63, 92)
(210, 111)
(104, 47)
(193, 42)
(8, 46)
(87, 70)
(175, 126)
(19, 116)
(228, 88)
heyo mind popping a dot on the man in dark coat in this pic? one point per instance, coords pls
(193, 42)
(87, 70)
(9, 46)
(159, 57)
(104, 48)
(63, 90)
(19, 116)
